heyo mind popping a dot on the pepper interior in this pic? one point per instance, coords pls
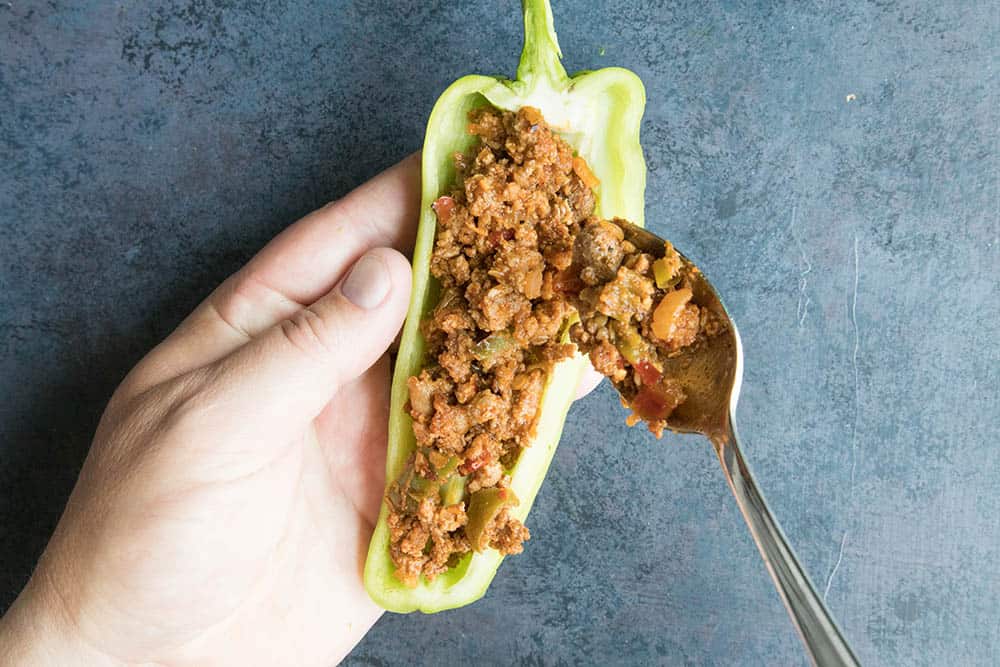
(528, 275)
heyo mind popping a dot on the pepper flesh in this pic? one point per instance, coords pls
(599, 114)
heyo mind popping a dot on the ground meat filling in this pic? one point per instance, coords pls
(505, 234)
(517, 253)
(635, 312)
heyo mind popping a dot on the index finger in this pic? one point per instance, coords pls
(306, 260)
(295, 269)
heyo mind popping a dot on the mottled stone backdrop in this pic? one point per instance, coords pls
(833, 167)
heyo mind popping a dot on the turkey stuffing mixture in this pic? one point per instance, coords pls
(527, 276)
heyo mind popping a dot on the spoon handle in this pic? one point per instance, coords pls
(817, 629)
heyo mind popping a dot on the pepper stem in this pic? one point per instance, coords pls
(541, 55)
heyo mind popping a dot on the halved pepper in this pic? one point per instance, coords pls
(598, 113)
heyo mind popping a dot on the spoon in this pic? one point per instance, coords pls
(711, 377)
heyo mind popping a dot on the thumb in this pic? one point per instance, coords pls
(285, 377)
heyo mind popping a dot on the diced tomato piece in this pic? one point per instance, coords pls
(567, 282)
(657, 401)
(443, 206)
(472, 465)
(651, 405)
(496, 236)
(647, 372)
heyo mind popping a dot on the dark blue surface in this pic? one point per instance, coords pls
(834, 170)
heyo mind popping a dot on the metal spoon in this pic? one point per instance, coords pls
(711, 377)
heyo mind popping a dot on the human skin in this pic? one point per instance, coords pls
(224, 511)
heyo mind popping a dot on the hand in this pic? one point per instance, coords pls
(224, 511)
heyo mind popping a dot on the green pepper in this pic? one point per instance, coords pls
(661, 271)
(484, 506)
(633, 346)
(599, 114)
(453, 490)
(666, 269)
(422, 488)
(445, 471)
(494, 345)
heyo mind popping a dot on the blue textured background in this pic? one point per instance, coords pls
(147, 149)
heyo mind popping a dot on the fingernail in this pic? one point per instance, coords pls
(368, 283)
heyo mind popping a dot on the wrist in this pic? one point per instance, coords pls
(36, 631)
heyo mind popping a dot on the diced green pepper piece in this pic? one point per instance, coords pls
(446, 471)
(599, 114)
(421, 488)
(484, 506)
(662, 273)
(493, 346)
(453, 490)
(667, 269)
(630, 344)
(633, 346)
